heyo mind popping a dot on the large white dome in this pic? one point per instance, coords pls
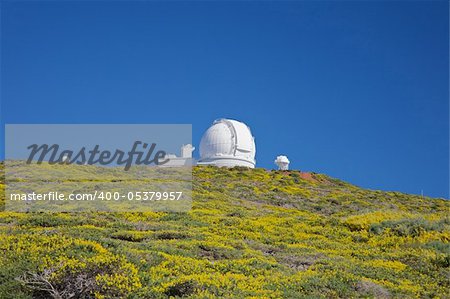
(228, 143)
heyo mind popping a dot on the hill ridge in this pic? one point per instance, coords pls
(251, 233)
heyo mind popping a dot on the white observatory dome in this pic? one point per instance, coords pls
(282, 162)
(228, 143)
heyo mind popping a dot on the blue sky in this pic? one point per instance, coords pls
(356, 90)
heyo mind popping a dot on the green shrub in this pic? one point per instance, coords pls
(405, 227)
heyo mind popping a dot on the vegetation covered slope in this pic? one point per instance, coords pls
(250, 234)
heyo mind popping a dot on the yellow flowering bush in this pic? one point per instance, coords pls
(68, 266)
(251, 233)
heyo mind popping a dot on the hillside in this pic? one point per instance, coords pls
(250, 234)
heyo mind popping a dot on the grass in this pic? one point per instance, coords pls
(251, 233)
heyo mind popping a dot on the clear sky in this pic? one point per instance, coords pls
(356, 90)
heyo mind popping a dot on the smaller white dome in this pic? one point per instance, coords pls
(282, 162)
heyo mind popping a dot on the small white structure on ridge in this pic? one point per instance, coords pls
(184, 160)
(186, 150)
(228, 143)
(282, 162)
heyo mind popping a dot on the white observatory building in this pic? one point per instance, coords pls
(228, 143)
(175, 161)
(282, 162)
